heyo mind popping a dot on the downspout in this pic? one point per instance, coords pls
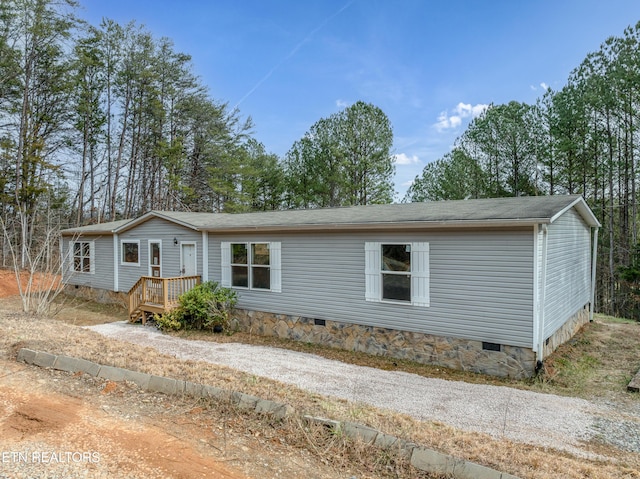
(543, 289)
(594, 258)
(116, 278)
(205, 256)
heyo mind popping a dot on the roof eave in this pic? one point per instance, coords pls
(153, 214)
(405, 226)
(583, 209)
(75, 231)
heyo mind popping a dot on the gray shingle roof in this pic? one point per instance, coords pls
(102, 228)
(482, 212)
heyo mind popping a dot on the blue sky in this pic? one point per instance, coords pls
(429, 65)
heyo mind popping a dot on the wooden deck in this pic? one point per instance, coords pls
(157, 295)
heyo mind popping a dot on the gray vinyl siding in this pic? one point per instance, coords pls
(568, 276)
(102, 276)
(165, 231)
(481, 283)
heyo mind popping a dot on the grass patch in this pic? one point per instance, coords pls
(83, 312)
(603, 318)
(597, 362)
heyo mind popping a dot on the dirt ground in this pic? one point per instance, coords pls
(9, 285)
(57, 425)
(45, 432)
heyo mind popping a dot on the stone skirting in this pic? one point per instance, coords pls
(566, 331)
(467, 355)
(98, 295)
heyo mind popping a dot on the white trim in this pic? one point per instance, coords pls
(275, 263)
(594, 262)
(126, 263)
(152, 214)
(149, 265)
(583, 209)
(205, 256)
(225, 264)
(195, 257)
(543, 286)
(116, 265)
(420, 276)
(536, 289)
(372, 276)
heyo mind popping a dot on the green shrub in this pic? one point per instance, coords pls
(167, 321)
(204, 307)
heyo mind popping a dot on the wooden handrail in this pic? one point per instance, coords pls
(161, 293)
(136, 295)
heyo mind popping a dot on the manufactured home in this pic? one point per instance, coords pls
(488, 285)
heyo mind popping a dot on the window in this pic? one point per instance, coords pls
(82, 256)
(130, 251)
(251, 265)
(239, 265)
(397, 272)
(260, 266)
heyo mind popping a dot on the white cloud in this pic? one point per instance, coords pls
(403, 159)
(342, 104)
(466, 110)
(444, 122)
(543, 85)
(453, 119)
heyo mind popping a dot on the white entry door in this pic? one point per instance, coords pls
(188, 258)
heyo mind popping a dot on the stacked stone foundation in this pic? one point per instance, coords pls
(567, 330)
(455, 353)
(98, 295)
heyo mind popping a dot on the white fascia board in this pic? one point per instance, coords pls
(583, 209)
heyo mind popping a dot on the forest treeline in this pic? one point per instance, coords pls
(583, 138)
(103, 122)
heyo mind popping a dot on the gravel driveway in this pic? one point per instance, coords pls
(502, 412)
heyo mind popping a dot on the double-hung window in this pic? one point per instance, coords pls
(82, 253)
(251, 265)
(397, 272)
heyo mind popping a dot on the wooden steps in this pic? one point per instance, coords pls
(157, 295)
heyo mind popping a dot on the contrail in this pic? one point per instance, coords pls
(294, 51)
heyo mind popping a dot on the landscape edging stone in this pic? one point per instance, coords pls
(421, 458)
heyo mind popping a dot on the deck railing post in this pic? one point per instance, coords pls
(165, 292)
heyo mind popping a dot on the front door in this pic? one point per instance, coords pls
(188, 259)
(155, 259)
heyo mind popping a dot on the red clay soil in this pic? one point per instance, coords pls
(8, 283)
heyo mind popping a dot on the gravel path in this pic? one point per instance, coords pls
(502, 412)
